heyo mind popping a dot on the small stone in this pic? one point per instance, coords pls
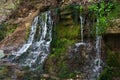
(1, 54)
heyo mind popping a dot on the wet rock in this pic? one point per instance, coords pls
(1, 54)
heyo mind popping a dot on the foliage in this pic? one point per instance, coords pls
(112, 70)
(57, 11)
(115, 11)
(77, 11)
(106, 74)
(113, 67)
(101, 11)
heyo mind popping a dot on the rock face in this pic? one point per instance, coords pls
(6, 7)
(115, 27)
(112, 36)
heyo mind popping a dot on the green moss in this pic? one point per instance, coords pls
(68, 31)
(112, 69)
(6, 29)
(27, 34)
(63, 37)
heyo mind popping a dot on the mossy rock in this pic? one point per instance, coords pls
(64, 36)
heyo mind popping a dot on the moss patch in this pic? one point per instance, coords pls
(112, 70)
(63, 37)
(6, 29)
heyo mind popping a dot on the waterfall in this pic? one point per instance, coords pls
(97, 61)
(30, 39)
(81, 21)
(81, 28)
(36, 49)
(93, 61)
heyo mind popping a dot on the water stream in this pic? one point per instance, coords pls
(96, 69)
(37, 47)
(92, 72)
(81, 36)
(97, 60)
(81, 22)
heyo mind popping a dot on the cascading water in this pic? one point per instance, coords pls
(92, 71)
(97, 62)
(30, 39)
(81, 21)
(36, 49)
(81, 28)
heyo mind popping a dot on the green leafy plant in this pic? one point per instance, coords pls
(101, 11)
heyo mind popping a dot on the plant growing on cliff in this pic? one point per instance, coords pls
(101, 11)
